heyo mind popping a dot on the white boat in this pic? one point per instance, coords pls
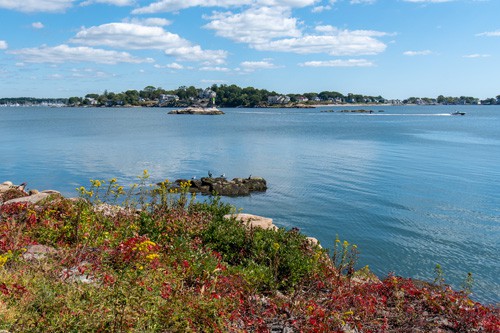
(457, 113)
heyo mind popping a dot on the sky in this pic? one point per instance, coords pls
(392, 48)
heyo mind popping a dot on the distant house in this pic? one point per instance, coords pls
(167, 98)
(207, 94)
(302, 99)
(278, 99)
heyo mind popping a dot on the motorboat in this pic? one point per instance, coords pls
(457, 113)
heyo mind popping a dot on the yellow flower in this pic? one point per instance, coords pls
(152, 256)
(276, 246)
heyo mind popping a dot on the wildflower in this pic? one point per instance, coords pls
(152, 256)
(5, 257)
(276, 246)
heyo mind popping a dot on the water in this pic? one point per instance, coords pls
(412, 186)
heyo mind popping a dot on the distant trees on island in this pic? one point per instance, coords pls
(232, 96)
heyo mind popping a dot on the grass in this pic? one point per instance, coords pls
(164, 262)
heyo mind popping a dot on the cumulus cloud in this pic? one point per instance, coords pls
(30, 6)
(428, 1)
(150, 21)
(255, 25)
(3, 45)
(417, 53)
(129, 36)
(319, 9)
(120, 3)
(332, 41)
(273, 29)
(214, 69)
(197, 54)
(173, 65)
(135, 37)
(64, 53)
(37, 25)
(250, 66)
(357, 2)
(175, 5)
(339, 63)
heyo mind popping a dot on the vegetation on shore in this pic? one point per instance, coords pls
(162, 261)
(234, 96)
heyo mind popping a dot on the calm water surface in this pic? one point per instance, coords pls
(412, 186)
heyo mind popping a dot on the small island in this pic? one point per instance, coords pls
(198, 111)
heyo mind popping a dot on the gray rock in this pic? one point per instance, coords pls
(197, 111)
(225, 187)
(253, 221)
(38, 252)
(33, 199)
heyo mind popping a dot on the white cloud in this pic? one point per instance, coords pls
(490, 34)
(251, 66)
(37, 25)
(339, 63)
(214, 69)
(476, 55)
(428, 1)
(195, 53)
(175, 5)
(120, 3)
(64, 53)
(255, 25)
(357, 2)
(150, 21)
(320, 9)
(173, 65)
(333, 42)
(3, 45)
(135, 37)
(129, 36)
(417, 53)
(30, 6)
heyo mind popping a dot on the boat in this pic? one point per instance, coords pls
(457, 113)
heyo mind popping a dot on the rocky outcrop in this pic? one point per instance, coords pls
(225, 187)
(10, 193)
(253, 221)
(198, 111)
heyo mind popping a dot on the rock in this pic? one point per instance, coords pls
(38, 252)
(77, 274)
(33, 199)
(313, 241)
(12, 193)
(198, 111)
(225, 187)
(253, 221)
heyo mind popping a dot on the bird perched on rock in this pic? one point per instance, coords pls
(223, 175)
(209, 174)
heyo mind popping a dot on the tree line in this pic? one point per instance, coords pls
(231, 96)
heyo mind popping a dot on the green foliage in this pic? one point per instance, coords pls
(276, 259)
(166, 262)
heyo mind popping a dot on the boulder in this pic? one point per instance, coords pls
(33, 199)
(38, 252)
(253, 221)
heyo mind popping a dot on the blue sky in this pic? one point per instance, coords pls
(393, 48)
